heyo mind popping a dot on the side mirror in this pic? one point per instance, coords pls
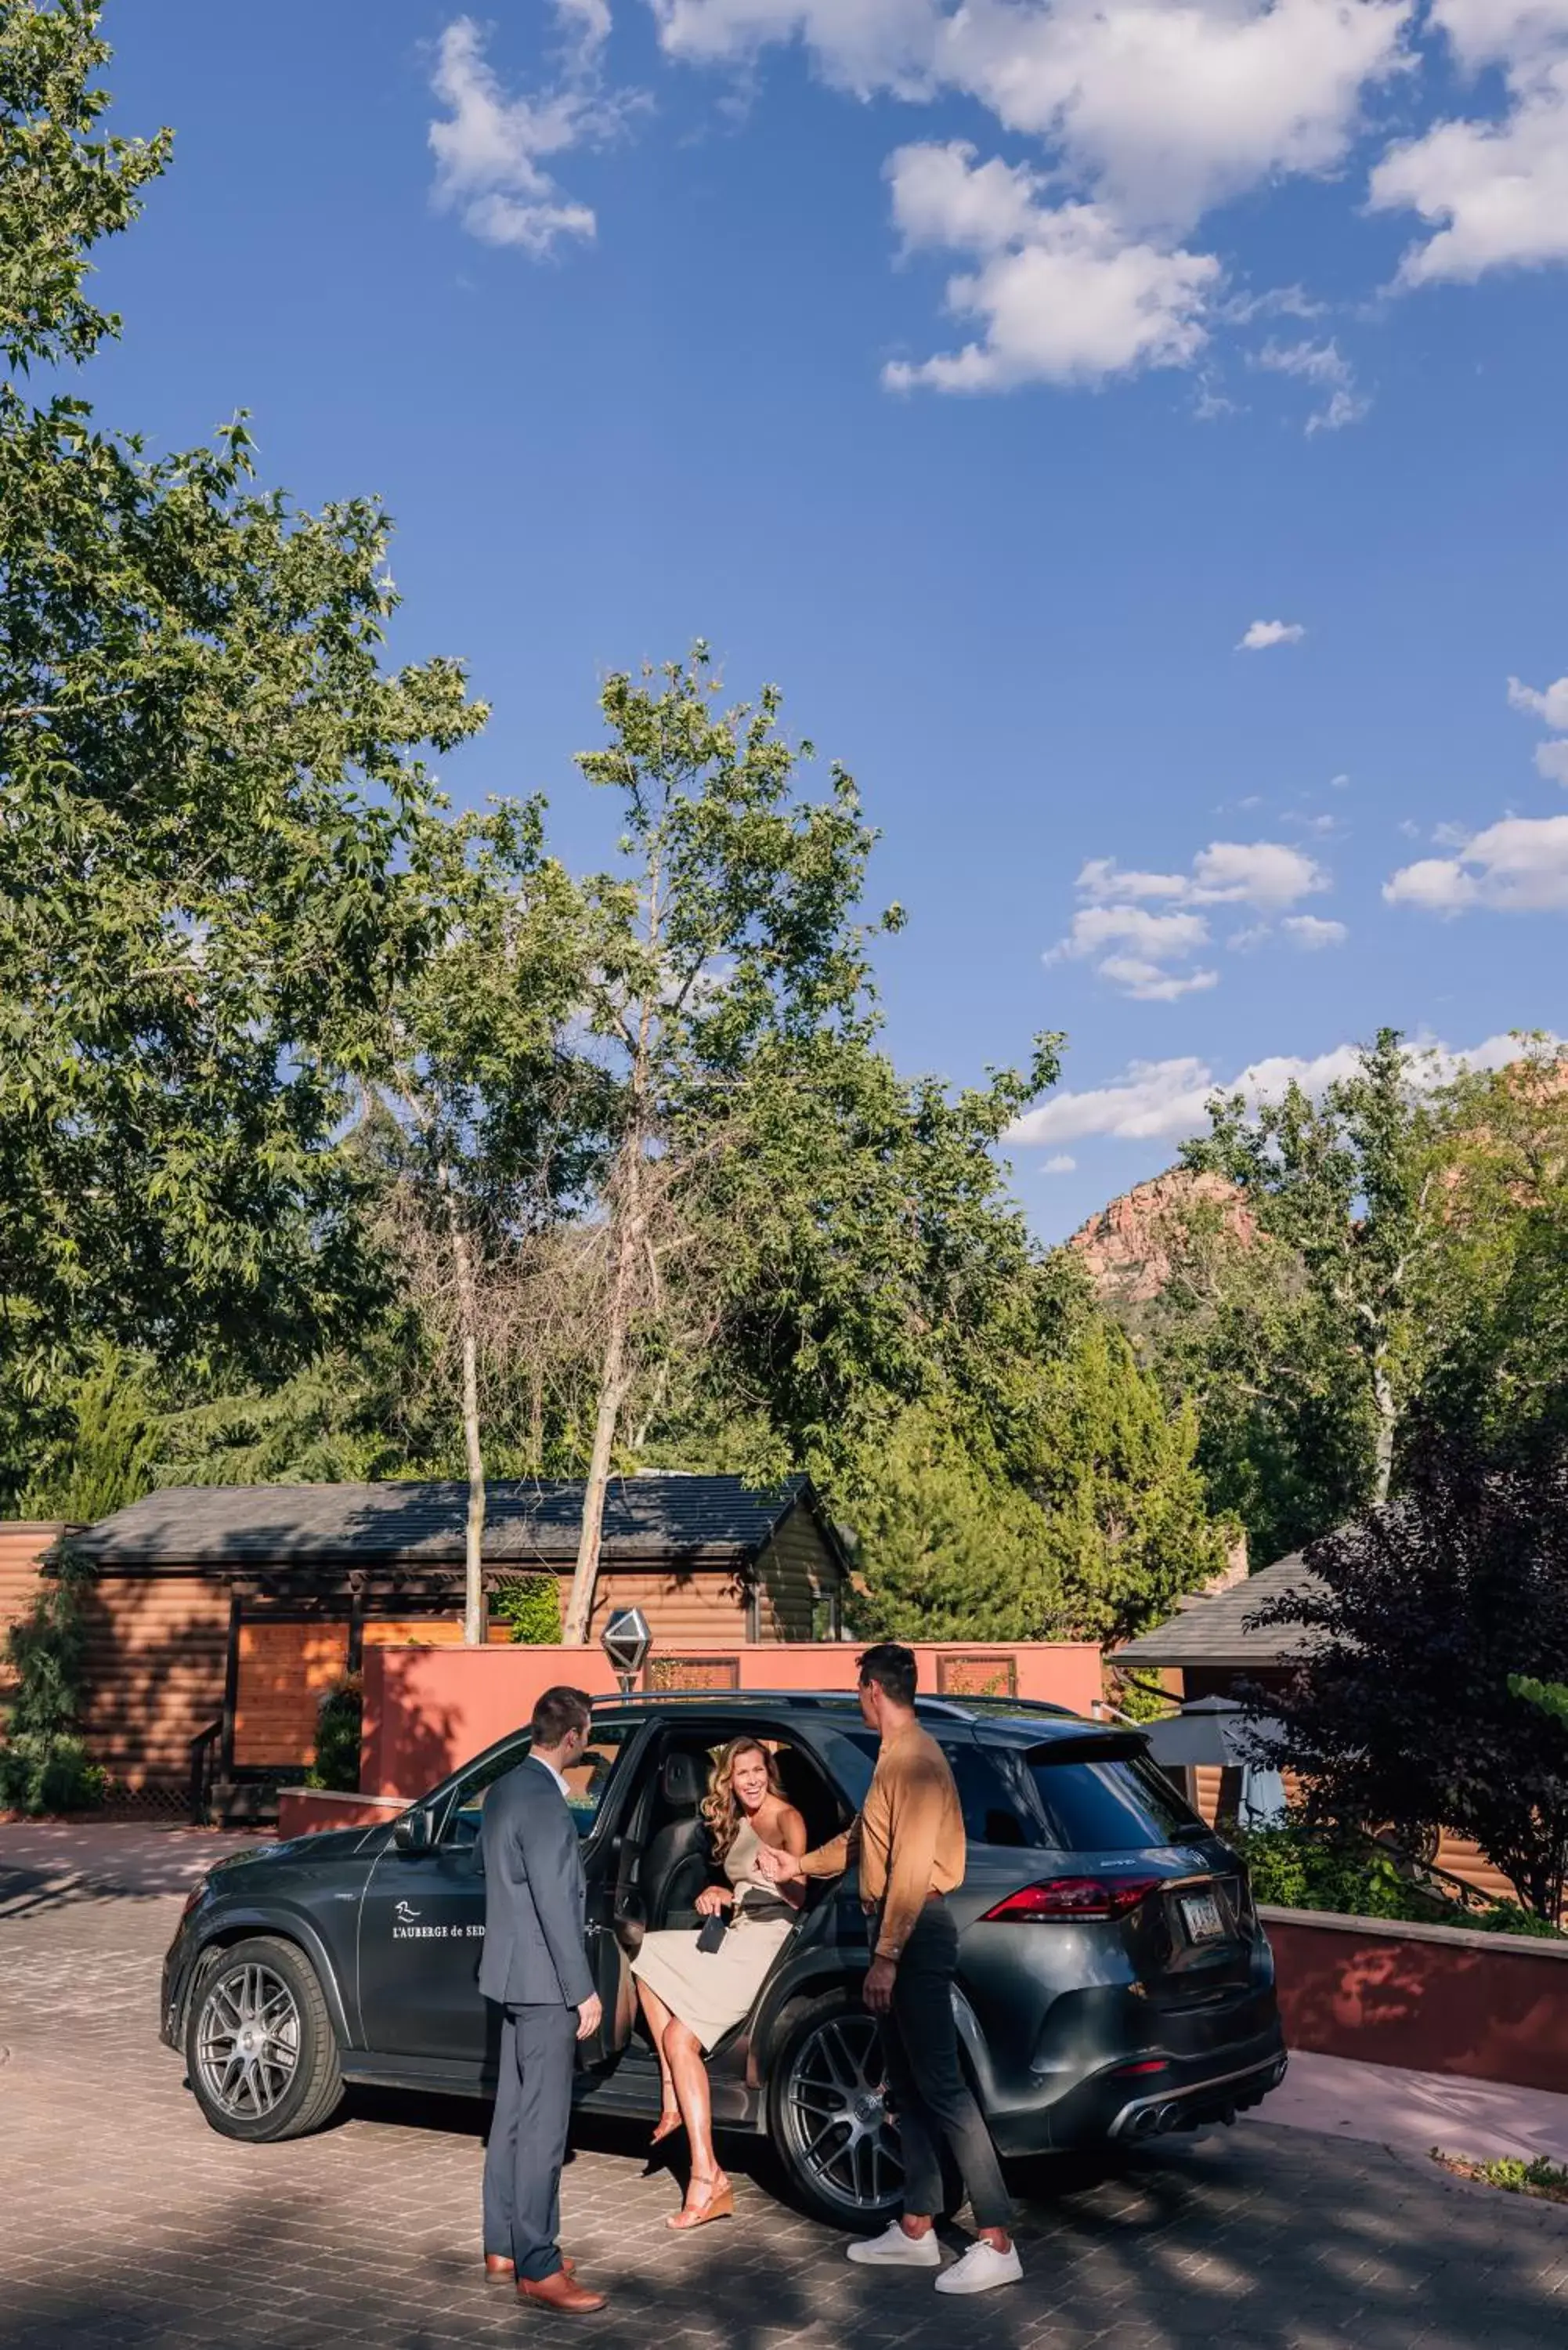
(412, 1831)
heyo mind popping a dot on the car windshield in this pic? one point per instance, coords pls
(587, 1780)
(1122, 1804)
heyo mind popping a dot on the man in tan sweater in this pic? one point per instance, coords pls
(908, 1846)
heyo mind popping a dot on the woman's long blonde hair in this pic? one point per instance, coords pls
(720, 1808)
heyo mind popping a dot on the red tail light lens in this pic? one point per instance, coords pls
(1081, 1898)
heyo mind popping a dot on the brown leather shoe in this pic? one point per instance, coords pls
(499, 2268)
(561, 2292)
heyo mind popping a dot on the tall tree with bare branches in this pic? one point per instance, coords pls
(731, 925)
(491, 1120)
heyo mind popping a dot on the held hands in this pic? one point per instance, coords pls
(589, 2015)
(712, 1899)
(778, 1867)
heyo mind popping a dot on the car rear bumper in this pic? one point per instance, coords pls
(1143, 2097)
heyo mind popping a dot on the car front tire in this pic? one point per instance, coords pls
(260, 2055)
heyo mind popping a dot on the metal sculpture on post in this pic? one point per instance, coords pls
(626, 1641)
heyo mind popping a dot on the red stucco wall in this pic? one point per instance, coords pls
(429, 1710)
(1487, 2007)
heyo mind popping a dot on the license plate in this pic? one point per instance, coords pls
(1201, 1916)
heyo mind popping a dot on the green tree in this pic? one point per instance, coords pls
(215, 816)
(1351, 1187)
(1425, 1615)
(1114, 1470)
(728, 929)
(948, 1547)
(489, 1118)
(1240, 1335)
(1499, 1375)
(108, 1457)
(44, 1765)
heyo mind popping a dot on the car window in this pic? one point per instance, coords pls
(1122, 1804)
(994, 1812)
(996, 1804)
(587, 1782)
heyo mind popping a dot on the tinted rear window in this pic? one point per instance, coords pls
(1121, 1806)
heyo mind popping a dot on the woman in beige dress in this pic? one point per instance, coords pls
(692, 1997)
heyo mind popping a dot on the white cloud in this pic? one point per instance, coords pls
(1552, 706)
(1144, 116)
(1134, 947)
(1144, 981)
(1062, 293)
(1263, 634)
(1165, 1101)
(1061, 1162)
(1101, 877)
(1311, 931)
(1264, 873)
(1518, 866)
(492, 149)
(1167, 936)
(1324, 365)
(1498, 188)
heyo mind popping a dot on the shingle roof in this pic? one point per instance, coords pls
(1213, 1630)
(715, 1520)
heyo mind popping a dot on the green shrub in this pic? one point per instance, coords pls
(39, 1775)
(44, 1765)
(531, 1606)
(1294, 1867)
(337, 1725)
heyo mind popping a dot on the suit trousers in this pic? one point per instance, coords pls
(932, 2102)
(527, 2142)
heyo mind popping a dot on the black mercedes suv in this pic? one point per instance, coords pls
(1114, 1981)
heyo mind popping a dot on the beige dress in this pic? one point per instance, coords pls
(712, 1989)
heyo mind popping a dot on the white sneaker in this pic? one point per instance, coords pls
(981, 2267)
(894, 2250)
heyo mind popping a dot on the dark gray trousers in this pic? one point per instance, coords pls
(527, 2143)
(932, 2101)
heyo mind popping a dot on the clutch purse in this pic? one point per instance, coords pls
(713, 1931)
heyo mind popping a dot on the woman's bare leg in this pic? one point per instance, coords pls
(684, 2055)
(658, 2023)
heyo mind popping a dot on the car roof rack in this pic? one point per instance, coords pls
(945, 1708)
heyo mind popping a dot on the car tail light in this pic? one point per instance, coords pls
(1070, 1898)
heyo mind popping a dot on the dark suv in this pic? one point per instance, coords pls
(1114, 1981)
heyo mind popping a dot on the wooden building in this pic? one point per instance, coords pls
(1211, 1647)
(219, 1615)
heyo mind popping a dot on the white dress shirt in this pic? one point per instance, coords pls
(566, 1791)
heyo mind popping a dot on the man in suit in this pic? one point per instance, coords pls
(535, 1966)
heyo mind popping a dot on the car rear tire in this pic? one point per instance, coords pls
(828, 2119)
(260, 2055)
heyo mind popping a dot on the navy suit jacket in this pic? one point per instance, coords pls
(534, 1954)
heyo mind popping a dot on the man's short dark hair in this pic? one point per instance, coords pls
(557, 1711)
(893, 1669)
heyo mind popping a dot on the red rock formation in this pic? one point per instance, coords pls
(1125, 1249)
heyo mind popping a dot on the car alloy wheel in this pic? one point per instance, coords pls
(248, 2041)
(838, 2136)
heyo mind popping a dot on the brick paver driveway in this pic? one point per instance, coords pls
(124, 2219)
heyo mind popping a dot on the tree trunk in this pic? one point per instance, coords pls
(537, 1420)
(1383, 1442)
(475, 1628)
(612, 1385)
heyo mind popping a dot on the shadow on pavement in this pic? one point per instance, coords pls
(1164, 2255)
(46, 1863)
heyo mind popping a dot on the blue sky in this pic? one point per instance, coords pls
(1132, 433)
